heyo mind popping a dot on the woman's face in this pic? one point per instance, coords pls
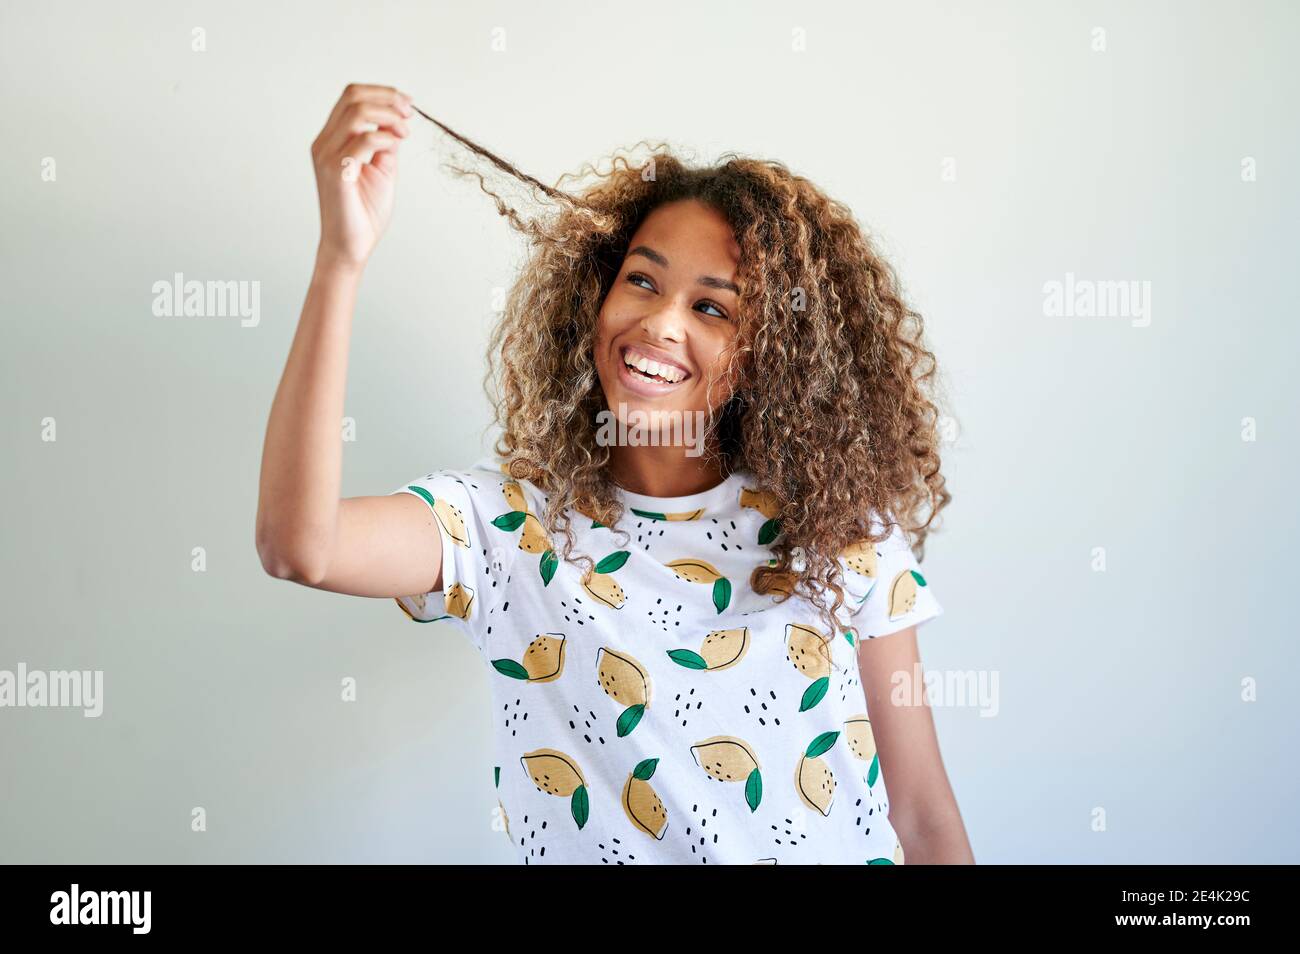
(667, 322)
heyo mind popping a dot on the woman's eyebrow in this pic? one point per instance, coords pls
(706, 280)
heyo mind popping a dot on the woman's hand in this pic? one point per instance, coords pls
(355, 157)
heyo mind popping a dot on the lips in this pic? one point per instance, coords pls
(652, 367)
(644, 386)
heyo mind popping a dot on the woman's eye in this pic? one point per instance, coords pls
(634, 277)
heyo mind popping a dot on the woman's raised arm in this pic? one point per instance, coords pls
(370, 546)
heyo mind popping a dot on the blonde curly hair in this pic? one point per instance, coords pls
(836, 416)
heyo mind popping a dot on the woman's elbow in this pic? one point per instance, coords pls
(293, 563)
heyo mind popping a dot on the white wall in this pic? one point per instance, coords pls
(1119, 690)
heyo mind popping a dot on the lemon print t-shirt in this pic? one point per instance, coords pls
(658, 710)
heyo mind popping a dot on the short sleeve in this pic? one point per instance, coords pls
(469, 580)
(885, 588)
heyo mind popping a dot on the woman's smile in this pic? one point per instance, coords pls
(649, 372)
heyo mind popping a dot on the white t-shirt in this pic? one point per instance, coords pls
(662, 712)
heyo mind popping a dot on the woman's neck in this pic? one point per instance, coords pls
(664, 471)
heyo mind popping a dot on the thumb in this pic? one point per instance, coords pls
(385, 162)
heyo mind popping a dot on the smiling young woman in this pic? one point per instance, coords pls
(684, 647)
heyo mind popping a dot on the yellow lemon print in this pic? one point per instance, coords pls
(804, 647)
(604, 589)
(453, 521)
(761, 500)
(626, 682)
(695, 571)
(449, 517)
(902, 593)
(543, 660)
(641, 803)
(729, 759)
(860, 738)
(721, 649)
(534, 538)
(862, 743)
(514, 495)
(558, 774)
(812, 776)
(862, 558)
(600, 583)
(458, 600)
(766, 504)
(698, 571)
(681, 515)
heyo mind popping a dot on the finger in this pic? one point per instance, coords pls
(385, 161)
(362, 117)
(362, 148)
(325, 147)
(370, 93)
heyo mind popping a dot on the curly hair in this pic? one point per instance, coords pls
(836, 416)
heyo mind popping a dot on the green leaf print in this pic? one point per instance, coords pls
(754, 790)
(814, 693)
(920, 580)
(596, 525)
(508, 667)
(428, 497)
(687, 658)
(880, 861)
(628, 720)
(496, 776)
(721, 593)
(580, 806)
(849, 636)
(648, 514)
(873, 773)
(436, 619)
(769, 531)
(821, 744)
(645, 769)
(613, 562)
(510, 522)
(547, 566)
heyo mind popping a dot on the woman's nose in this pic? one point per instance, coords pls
(666, 322)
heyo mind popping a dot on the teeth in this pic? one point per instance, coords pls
(665, 371)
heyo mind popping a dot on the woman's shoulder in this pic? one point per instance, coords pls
(493, 486)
